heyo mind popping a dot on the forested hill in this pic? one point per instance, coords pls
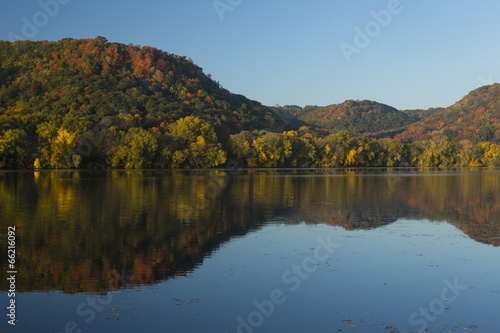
(63, 82)
(90, 103)
(475, 118)
(419, 114)
(354, 116)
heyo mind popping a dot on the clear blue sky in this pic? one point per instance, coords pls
(427, 53)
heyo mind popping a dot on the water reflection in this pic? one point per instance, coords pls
(96, 231)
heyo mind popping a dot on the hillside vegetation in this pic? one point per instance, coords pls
(90, 103)
(476, 118)
(355, 117)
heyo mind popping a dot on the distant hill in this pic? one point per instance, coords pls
(419, 114)
(476, 118)
(353, 116)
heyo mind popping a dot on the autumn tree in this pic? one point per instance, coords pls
(12, 144)
(194, 145)
(438, 153)
(240, 147)
(139, 150)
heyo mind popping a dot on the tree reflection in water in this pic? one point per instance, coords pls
(96, 231)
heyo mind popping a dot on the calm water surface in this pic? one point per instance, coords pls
(253, 251)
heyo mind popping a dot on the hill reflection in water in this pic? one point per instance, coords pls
(95, 231)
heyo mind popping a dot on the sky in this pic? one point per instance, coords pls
(410, 54)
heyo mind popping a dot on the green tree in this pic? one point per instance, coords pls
(273, 150)
(138, 151)
(395, 153)
(12, 152)
(240, 146)
(303, 150)
(335, 149)
(438, 153)
(464, 156)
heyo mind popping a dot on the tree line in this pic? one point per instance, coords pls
(191, 142)
(303, 148)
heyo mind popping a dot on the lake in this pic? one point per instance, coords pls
(361, 250)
